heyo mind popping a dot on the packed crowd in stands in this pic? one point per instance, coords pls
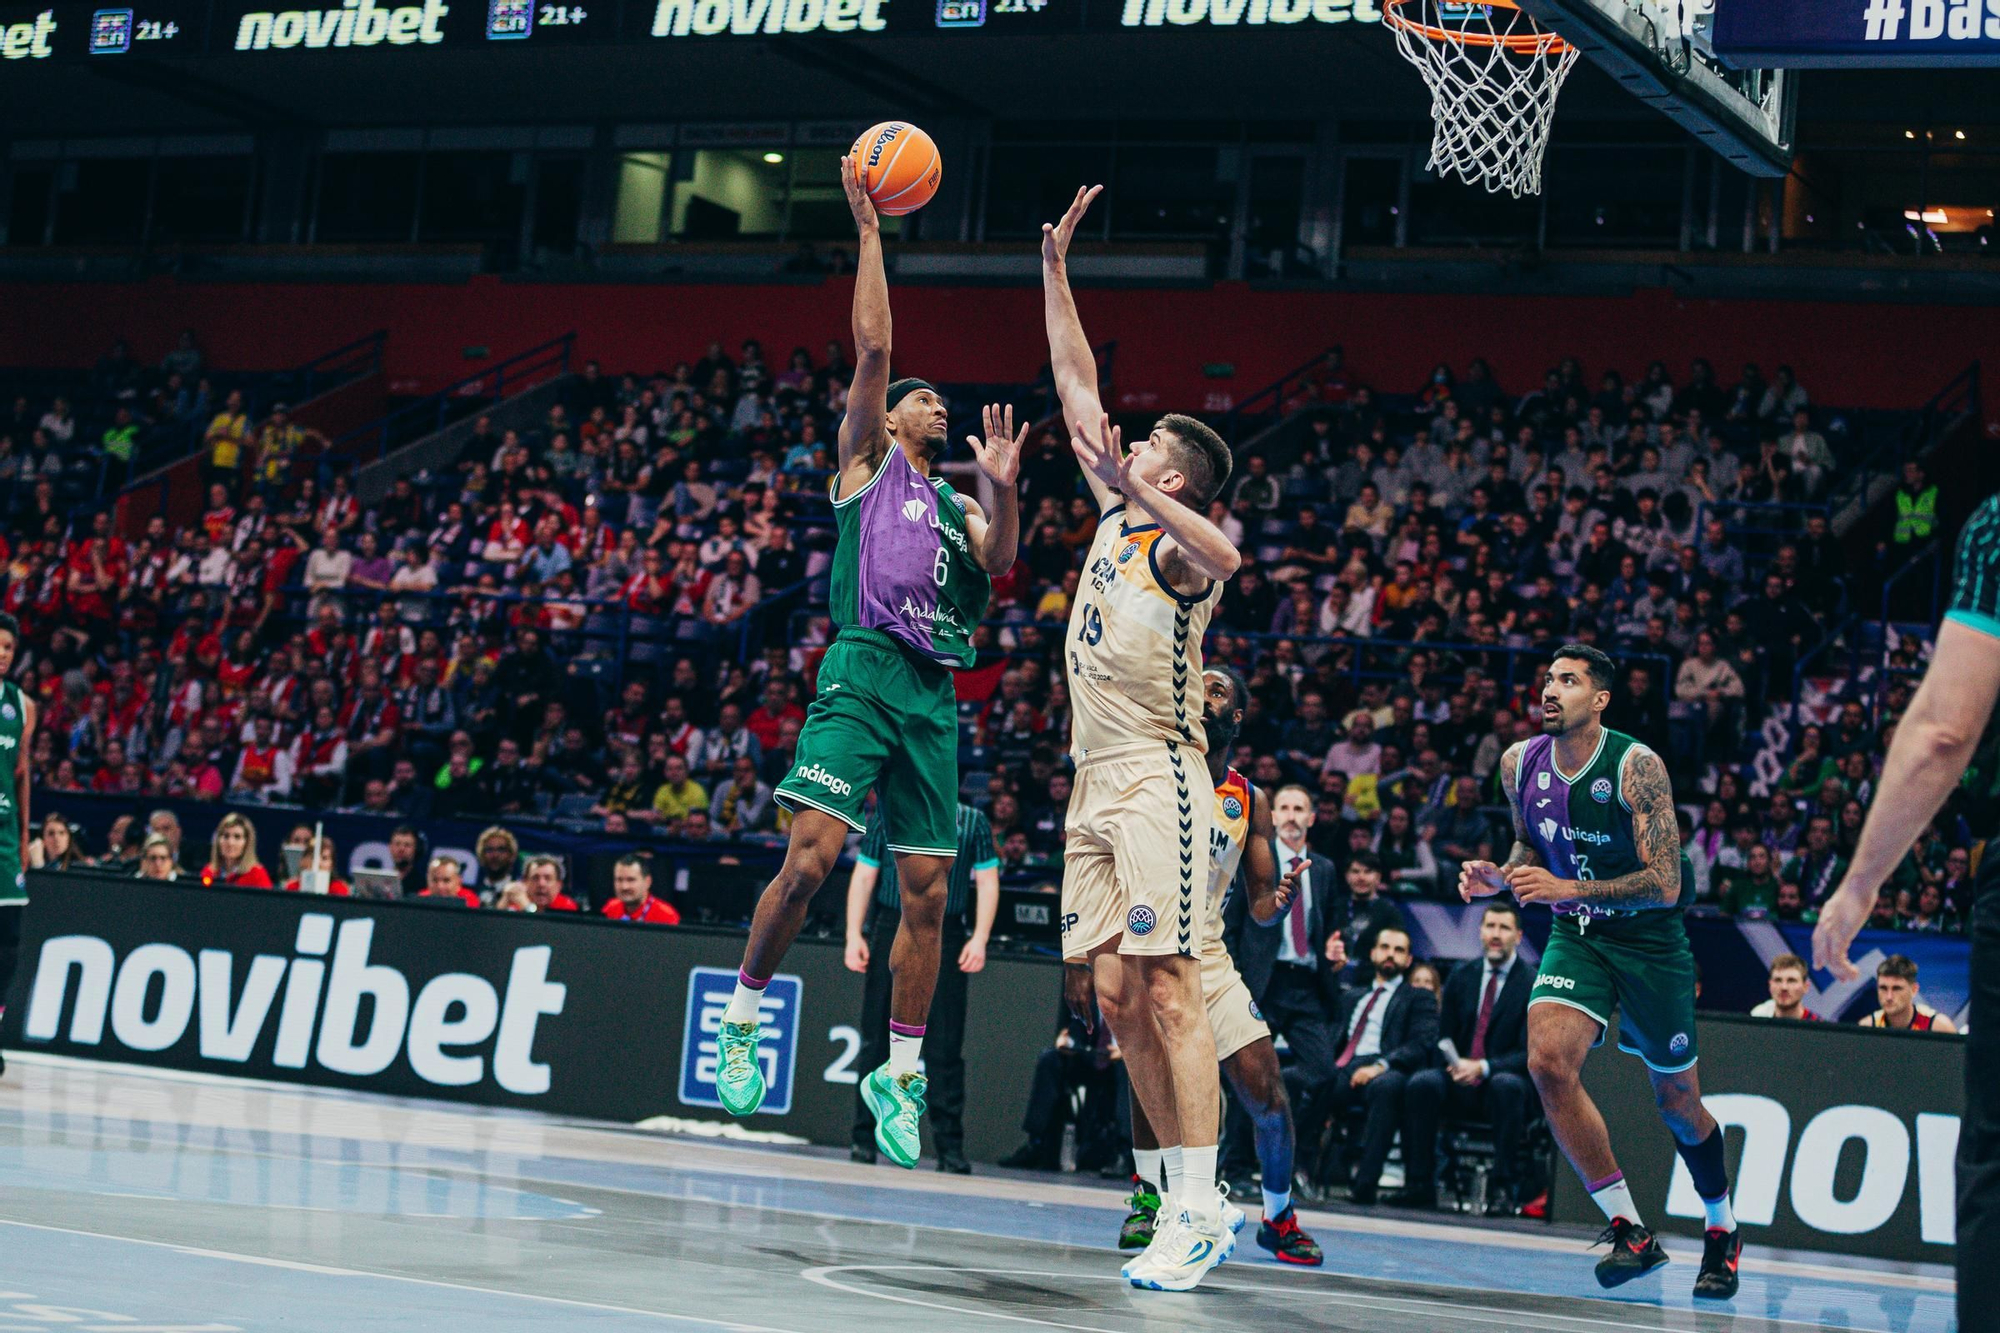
(610, 616)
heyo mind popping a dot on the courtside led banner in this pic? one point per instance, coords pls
(354, 28)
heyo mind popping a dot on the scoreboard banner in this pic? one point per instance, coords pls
(188, 28)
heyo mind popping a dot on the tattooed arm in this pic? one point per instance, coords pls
(1483, 879)
(1523, 854)
(1656, 833)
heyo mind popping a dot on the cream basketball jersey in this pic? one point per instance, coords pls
(1227, 837)
(1134, 646)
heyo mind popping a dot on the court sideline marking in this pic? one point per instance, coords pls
(266, 1261)
(1447, 1310)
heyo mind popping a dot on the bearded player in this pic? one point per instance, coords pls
(1137, 820)
(1241, 835)
(1595, 839)
(911, 576)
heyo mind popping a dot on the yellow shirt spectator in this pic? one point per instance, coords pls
(672, 803)
(226, 433)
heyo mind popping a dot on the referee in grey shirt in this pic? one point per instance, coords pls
(874, 910)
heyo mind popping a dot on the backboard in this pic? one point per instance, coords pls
(1662, 52)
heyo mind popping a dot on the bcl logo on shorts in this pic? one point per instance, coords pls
(1140, 921)
(1679, 1043)
(1600, 791)
(1255, 1012)
(709, 992)
(1232, 808)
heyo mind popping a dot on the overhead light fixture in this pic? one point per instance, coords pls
(1936, 215)
(774, 158)
(1958, 134)
(1909, 134)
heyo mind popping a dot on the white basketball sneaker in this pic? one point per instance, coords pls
(1190, 1250)
(1232, 1216)
(1163, 1221)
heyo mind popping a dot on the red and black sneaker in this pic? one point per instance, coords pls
(1635, 1252)
(1721, 1252)
(1285, 1238)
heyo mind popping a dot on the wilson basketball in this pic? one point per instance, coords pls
(899, 166)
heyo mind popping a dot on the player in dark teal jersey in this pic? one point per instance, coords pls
(17, 735)
(911, 575)
(1595, 839)
(1951, 718)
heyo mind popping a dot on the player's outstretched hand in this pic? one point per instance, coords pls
(1839, 922)
(1534, 884)
(1480, 879)
(1057, 236)
(858, 201)
(1287, 887)
(1103, 457)
(999, 451)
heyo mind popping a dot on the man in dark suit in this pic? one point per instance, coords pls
(1285, 963)
(1485, 1017)
(1388, 1031)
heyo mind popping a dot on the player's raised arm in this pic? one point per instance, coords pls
(1070, 358)
(1655, 834)
(1483, 879)
(995, 526)
(1192, 548)
(862, 439)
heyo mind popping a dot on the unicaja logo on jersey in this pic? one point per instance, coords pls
(815, 774)
(914, 510)
(1548, 830)
(1141, 921)
(1600, 791)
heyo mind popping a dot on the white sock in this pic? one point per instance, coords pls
(743, 1005)
(903, 1054)
(1146, 1164)
(1615, 1198)
(1171, 1165)
(1720, 1217)
(1202, 1202)
(1275, 1204)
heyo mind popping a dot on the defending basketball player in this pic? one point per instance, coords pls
(1595, 839)
(1137, 820)
(1241, 836)
(911, 576)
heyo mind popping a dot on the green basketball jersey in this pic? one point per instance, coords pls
(904, 565)
(13, 722)
(1580, 823)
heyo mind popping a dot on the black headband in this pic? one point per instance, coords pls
(903, 388)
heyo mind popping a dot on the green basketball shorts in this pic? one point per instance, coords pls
(1639, 967)
(886, 720)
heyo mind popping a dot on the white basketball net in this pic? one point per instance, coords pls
(1494, 74)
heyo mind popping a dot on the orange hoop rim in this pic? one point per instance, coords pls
(1540, 42)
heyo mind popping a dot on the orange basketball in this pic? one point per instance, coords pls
(899, 166)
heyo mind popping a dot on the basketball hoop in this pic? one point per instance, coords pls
(1494, 74)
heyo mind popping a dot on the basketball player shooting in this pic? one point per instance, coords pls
(1138, 823)
(1595, 839)
(912, 571)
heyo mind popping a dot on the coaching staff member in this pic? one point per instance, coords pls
(1934, 745)
(973, 886)
(1484, 1014)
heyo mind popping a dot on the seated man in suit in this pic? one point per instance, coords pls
(1485, 1017)
(1286, 966)
(1388, 1032)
